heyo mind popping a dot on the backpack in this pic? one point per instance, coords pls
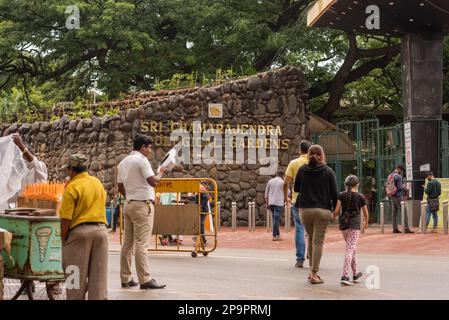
(391, 188)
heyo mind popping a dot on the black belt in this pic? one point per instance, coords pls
(145, 201)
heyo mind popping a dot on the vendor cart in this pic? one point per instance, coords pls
(34, 264)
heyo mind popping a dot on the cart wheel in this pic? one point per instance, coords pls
(56, 290)
(205, 254)
(194, 254)
(12, 289)
(36, 290)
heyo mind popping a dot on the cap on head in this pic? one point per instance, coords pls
(75, 160)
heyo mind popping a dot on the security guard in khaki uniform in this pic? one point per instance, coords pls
(83, 232)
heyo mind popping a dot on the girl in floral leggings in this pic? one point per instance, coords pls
(351, 203)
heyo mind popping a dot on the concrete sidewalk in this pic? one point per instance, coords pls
(371, 242)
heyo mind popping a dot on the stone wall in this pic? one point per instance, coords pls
(277, 98)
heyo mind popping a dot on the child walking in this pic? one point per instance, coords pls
(351, 203)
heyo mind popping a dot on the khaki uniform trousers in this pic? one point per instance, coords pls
(86, 249)
(138, 225)
(315, 222)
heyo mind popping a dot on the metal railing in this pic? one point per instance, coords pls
(403, 216)
(445, 216)
(219, 215)
(382, 218)
(269, 220)
(423, 217)
(251, 216)
(288, 214)
(234, 216)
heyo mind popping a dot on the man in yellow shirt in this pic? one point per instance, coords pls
(83, 232)
(290, 175)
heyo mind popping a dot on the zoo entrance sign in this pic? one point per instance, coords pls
(258, 135)
(220, 143)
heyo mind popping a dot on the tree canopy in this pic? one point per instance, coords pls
(131, 45)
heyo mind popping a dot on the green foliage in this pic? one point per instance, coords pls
(190, 80)
(129, 45)
(16, 106)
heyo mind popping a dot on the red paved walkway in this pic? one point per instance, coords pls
(370, 242)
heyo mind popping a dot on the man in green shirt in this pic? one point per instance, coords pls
(433, 191)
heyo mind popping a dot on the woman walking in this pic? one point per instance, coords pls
(351, 202)
(317, 188)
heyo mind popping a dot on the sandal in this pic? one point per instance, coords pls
(316, 281)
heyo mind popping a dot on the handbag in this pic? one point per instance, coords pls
(434, 204)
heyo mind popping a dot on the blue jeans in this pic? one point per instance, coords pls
(434, 214)
(299, 235)
(276, 212)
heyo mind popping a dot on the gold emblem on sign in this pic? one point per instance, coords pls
(215, 110)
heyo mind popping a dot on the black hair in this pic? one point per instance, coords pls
(401, 167)
(79, 169)
(429, 173)
(140, 141)
(304, 146)
(350, 182)
(280, 174)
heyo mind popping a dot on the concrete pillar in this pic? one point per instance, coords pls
(422, 86)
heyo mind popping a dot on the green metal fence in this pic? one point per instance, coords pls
(367, 150)
(372, 152)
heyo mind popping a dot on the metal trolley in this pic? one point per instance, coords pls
(35, 264)
(182, 219)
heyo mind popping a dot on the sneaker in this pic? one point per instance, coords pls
(345, 281)
(409, 231)
(299, 264)
(396, 231)
(357, 277)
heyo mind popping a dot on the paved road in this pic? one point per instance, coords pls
(230, 273)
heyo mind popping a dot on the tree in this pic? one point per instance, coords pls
(130, 45)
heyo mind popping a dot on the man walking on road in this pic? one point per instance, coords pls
(290, 175)
(274, 199)
(83, 231)
(136, 181)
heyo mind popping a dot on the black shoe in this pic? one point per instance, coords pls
(356, 278)
(396, 231)
(299, 264)
(409, 231)
(152, 284)
(345, 281)
(129, 284)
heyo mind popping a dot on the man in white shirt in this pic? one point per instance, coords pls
(136, 181)
(36, 171)
(274, 200)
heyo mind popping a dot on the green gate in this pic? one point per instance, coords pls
(444, 149)
(372, 152)
(364, 149)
